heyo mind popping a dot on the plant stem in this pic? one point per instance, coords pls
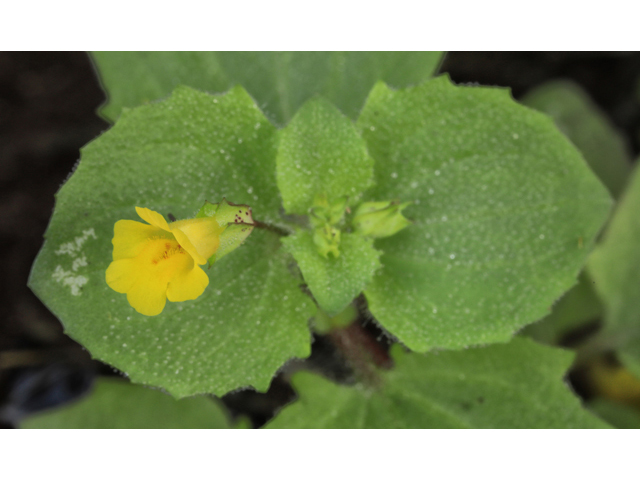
(272, 228)
(363, 353)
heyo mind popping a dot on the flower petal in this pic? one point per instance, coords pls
(148, 295)
(187, 285)
(153, 218)
(198, 236)
(122, 274)
(130, 238)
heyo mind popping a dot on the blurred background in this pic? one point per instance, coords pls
(48, 104)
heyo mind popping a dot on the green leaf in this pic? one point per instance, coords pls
(171, 157)
(334, 282)
(606, 152)
(117, 404)
(588, 128)
(616, 414)
(279, 81)
(615, 268)
(505, 212)
(576, 308)
(517, 385)
(321, 153)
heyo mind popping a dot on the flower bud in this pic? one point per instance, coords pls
(327, 240)
(236, 221)
(323, 212)
(380, 219)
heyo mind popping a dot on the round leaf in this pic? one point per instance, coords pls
(171, 157)
(505, 213)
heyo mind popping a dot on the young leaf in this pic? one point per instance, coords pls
(115, 403)
(172, 156)
(517, 385)
(588, 128)
(334, 282)
(505, 212)
(321, 154)
(279, 81)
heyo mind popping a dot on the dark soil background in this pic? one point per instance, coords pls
(48, 104)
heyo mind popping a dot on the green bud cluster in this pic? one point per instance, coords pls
(324, 216)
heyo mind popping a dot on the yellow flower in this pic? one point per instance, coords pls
(160, 261)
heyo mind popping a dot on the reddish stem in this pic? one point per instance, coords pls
(361, 351)
(272, 228)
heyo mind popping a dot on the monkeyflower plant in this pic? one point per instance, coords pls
(449, 215)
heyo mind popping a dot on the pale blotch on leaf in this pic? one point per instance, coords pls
(71, 278)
